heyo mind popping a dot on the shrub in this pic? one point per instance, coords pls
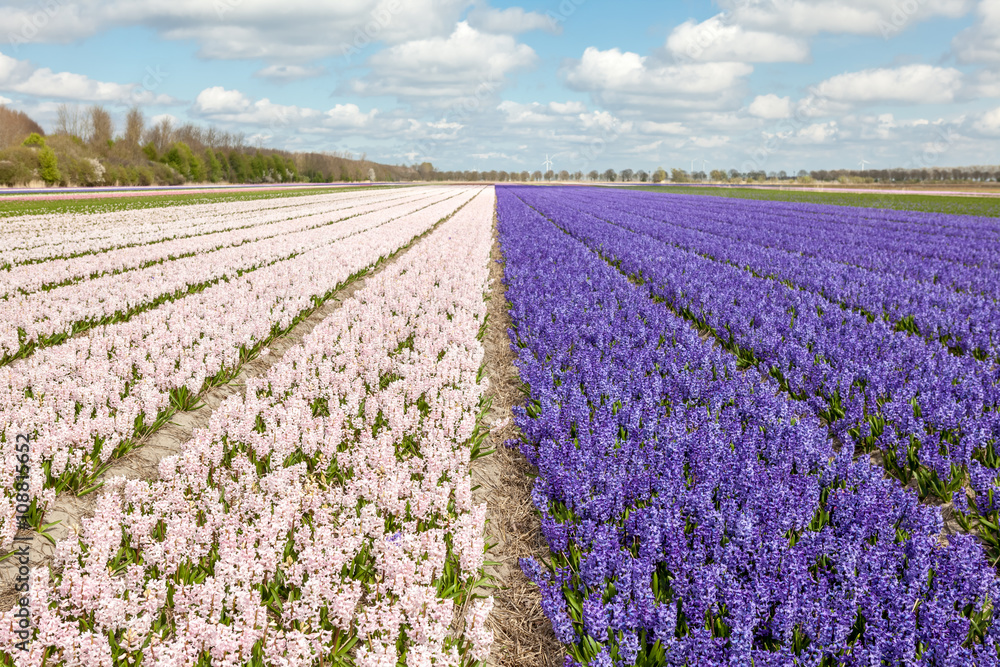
(34, 139)
(48, 166)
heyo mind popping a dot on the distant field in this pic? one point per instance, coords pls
(961, 205)
(9, 209)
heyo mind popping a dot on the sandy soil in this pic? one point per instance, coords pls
(523, 635)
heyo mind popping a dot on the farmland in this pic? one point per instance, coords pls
(328, 502)
(754, 432)
(900, 201)
(747, 420)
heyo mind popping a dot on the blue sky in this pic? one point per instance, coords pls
(745, 84)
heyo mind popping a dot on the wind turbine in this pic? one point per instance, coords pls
(548, 164)
(863, 163)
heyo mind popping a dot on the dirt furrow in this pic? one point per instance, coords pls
(523, 635)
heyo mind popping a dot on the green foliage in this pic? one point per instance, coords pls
(278, 166)
(213, 166)
(197, 171)
(48, 166)
(239, 167)
(34, 139)
(179, 157)
(18, 166)
(149, 150)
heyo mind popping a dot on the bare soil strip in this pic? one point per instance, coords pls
(523, 635)
(143, 461)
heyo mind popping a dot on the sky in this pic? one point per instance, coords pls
(750, 85)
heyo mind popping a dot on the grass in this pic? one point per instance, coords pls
(982, 206)
(10, 209)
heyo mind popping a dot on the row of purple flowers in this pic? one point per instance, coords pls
(694, 515)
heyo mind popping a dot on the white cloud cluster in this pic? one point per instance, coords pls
(232, 106)
(771, 107)
(981, 42)
(911, 84)
(719, 40)
(623, 79)
(467, 64)
(511, 21)
(989, 123)
(290, 32)
(858, 17)
(20, 76)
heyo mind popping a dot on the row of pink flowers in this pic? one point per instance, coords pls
(323, 518)
(226, 232)
(92, 395)
(32, 238)
(28, 319)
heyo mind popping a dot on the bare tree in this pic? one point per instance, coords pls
(161, 135)
(102, 128)
(15, 126)
(135, 125)
(70, 120)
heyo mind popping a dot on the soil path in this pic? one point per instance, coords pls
(523, 635)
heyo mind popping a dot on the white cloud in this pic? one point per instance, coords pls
(218, 100)
(624, 78)
(568, 107)
(885, 18)
(491, 156)
(989, 123)
(232, 106)
(466, 65)
(650, 127)
(604, 120)
(20, 76)
(290, 32)
(5, 100)
(349, 115)
(981, 42)
(717, 40)
(512, 21)
(771, 107)
(535, 113)
(818, 133)
(286, 73)
(911, 84)
(986, 83)
(714, 141)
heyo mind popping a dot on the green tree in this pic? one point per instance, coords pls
(258, 167)
(293, 170)
(278, 166)
(212, 166)
(34, 139)
(240, 166)
(179, 157)
(48, 166)
(198, 173)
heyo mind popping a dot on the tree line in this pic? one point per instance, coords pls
(978, 174)
(86, 148)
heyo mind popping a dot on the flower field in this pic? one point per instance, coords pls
(705, 378)
(325, 516)
(765, 433)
